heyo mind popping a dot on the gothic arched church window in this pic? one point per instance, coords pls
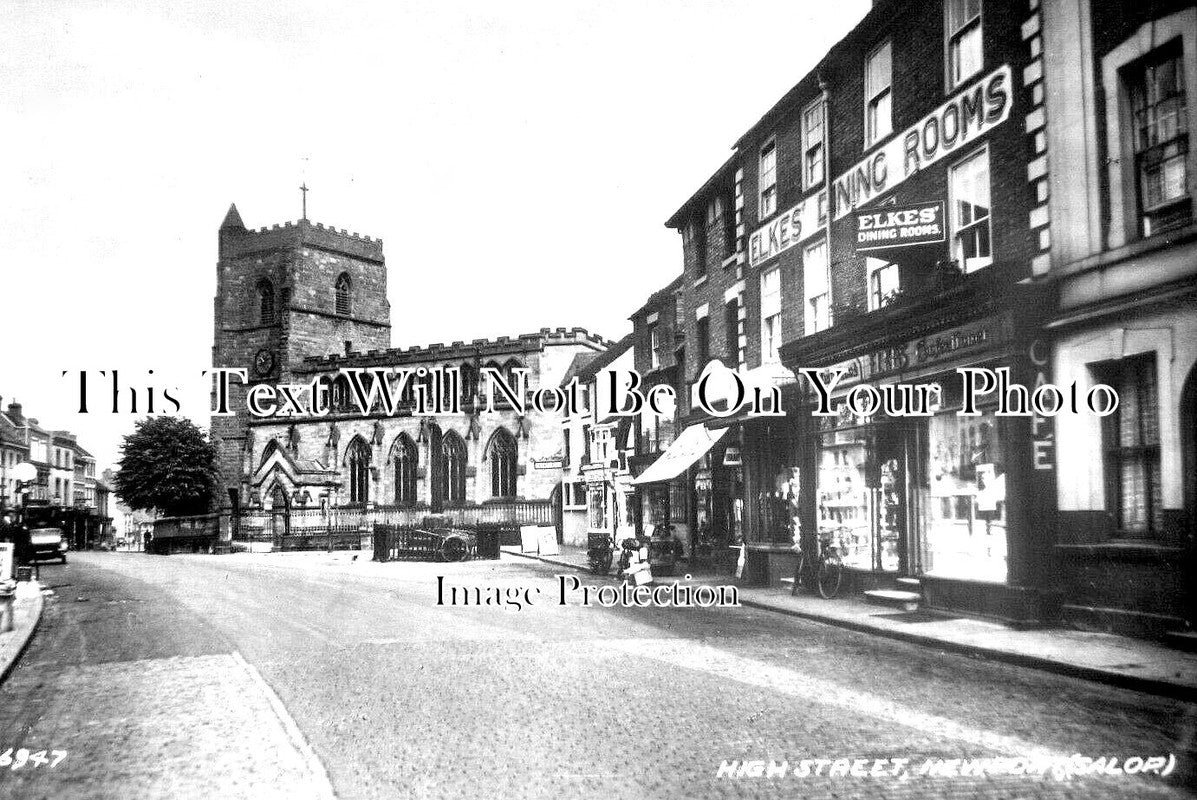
(501, 455)
(404, 458)
(358, 461)
(453, 452)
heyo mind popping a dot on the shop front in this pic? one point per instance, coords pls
(951, 500)
(915, 496)
(690, 498)
(773, 473)
(610, 505)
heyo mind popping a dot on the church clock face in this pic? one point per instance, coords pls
(263, 362)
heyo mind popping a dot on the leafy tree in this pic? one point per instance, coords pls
(167, 464)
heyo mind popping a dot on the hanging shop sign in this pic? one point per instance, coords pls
(788, 229)
(969, 115)
(904, 226)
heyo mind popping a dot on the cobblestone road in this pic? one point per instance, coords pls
(150, 681)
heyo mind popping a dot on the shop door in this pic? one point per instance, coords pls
(1188, 422)
(891, 495)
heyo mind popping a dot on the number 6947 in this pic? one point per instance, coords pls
(24, 757)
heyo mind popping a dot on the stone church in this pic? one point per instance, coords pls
(294, 305)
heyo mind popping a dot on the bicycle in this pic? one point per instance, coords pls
(825, 570)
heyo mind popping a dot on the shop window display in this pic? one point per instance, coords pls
(890, 494)
(845, 504)
(654, 509)
(964, 532)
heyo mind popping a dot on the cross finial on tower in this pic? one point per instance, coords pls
(304, 188)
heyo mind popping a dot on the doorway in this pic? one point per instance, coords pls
(1188, 445)
(280, 515)
(555, 504)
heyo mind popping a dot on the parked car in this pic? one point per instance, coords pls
(46, 543)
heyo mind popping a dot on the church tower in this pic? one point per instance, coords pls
(284, 294)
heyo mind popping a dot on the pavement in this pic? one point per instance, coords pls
(1122, 661)
(315, 674)
(26, 614)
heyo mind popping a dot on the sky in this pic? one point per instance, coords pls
(518, 159)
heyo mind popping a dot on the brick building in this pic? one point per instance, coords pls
(1124, 265)
(300, 303)
(659, 356)
(930, 109)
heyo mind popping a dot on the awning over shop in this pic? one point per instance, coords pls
(692, 445)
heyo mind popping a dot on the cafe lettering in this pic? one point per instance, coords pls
(965, 117)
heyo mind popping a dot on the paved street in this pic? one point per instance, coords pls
(252, 676)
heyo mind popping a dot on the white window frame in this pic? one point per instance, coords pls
(982, 151)
(810, 141)
(767, 208)
(1146, 213)
(953, 35)
(873, 267)
(654, 346)
(568, 501)
(871, 94)
(1124, 192)
(771, 330)
(810, 317)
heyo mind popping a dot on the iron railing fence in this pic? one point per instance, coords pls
(353, 528)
